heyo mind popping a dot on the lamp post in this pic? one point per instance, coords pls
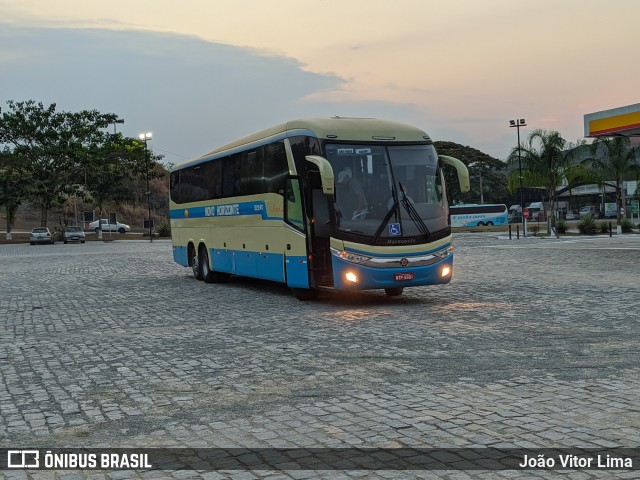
(479, 165)
(145, 137)
(481, 189)
(517, 123)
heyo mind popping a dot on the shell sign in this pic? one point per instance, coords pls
(623, 121)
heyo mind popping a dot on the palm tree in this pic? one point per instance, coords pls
(544, 163)
(614, 160)
(578, 173)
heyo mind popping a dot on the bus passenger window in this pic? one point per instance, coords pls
(293, 204)
(276, 168)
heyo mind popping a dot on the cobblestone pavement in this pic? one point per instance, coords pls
(535, 343)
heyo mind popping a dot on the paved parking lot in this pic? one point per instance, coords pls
(535, 343)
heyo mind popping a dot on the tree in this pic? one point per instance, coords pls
(545, 162)
(113, 168)
(52, 146)
(14, 187)
(481, 166)
(614, 160)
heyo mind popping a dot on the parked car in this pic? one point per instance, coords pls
(109, 227)
(535, 214)
(515, 211)
(514, 208)
(589, 210)
(41, 235)
(572, 215)
(73, 234)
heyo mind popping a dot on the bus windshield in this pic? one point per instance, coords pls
(388, 191)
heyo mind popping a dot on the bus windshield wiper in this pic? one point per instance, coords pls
(385, 221)
(413, 213)
(394, 209)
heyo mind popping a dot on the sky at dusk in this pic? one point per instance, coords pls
(199, 74)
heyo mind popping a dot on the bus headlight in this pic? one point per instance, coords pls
(352, 277)
(349, 256)
(445, 272)
(445, 252)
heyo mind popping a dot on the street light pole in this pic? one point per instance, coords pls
(479, 165)
(481, 190)
(517, 123)
(146, 137)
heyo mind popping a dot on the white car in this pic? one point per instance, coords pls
(589, 210)
(572, 215)
(41, 235)
(109, 227)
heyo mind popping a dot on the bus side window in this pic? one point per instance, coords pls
(293, 211)
(213, 179)
(174, 187)
(228, 177)
(301, 146)
(252, 176)
(275, 167)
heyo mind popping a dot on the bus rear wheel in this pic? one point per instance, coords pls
(208, 275)
(195, 265)
(393, 292)
(304, 294)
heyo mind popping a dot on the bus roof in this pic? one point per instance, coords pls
(335, 128)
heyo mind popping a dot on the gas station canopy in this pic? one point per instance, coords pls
(623, 121)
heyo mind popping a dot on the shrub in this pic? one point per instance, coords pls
(627, 225)
(561, 227)
(535, 229)
(587, 225)
(164, 229)
(604, 227)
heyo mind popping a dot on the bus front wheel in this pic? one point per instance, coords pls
(305, 294)
(393, 292)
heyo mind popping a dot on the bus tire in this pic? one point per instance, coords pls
(393, 292)
(304, 294)
(480, 224)
(208, 275)
(195, 263)
(489, 224)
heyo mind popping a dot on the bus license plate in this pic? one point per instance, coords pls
(404, 276)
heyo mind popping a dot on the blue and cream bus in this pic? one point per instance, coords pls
(473, 215)
(336, 203)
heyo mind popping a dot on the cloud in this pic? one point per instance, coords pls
(193, 94)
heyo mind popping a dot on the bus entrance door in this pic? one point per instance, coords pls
(320, 234)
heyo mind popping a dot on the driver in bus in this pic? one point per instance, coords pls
(353, 198)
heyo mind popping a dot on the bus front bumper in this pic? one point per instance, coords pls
(352, 276)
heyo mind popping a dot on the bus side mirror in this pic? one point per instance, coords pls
(461, 168)
(326, 173)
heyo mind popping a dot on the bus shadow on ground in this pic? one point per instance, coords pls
(332, 297)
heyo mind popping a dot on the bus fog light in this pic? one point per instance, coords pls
(351, 277)
(445, 271)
